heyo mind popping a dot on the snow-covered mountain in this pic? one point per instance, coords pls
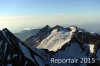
(13, 52)
(71, 42)
(35, 39)
(57, 38)
(55, 46)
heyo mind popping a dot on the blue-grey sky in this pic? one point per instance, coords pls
(15, 14)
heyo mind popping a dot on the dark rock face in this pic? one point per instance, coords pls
(90, 38)
(33, 41)
(13, 52)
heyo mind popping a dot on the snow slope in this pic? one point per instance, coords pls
(57, 39)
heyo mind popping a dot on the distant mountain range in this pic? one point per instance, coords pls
(91, 27)
(48, 44)
(23, 35)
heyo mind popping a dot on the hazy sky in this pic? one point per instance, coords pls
(19, 14)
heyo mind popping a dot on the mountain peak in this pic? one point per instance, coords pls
(5, 29)
(57, 26)
(47, 26)
(73, 26)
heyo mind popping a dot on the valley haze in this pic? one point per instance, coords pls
(17, 15)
